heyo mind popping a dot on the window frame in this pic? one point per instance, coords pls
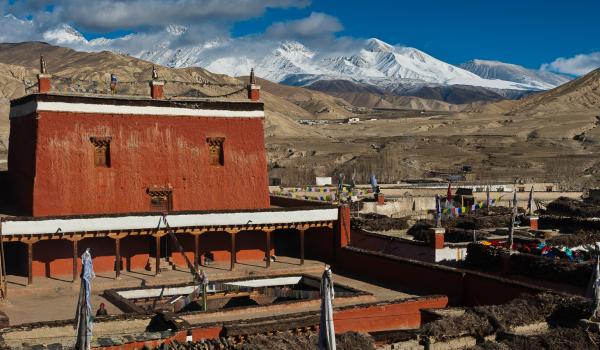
(160, 192)
(214, 142)
(102, 144)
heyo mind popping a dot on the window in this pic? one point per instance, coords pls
(215, 146)
(161, 199)
(101, 151)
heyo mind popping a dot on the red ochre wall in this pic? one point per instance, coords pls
(21, 161)
(54, 258)
(404, 314)
(392, 246)
(145, 152)
(399, 315)
(250, 246)
(462, 287)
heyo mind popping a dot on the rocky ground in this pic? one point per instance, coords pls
(282, 341)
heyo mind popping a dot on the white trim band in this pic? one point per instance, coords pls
(40, 106)
(138, 222)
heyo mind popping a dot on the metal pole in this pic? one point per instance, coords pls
(204, 301)
(487, 197)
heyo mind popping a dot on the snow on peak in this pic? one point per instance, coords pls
(293, 47)
(371, 61)
(64, 34)
(537, 79)
(176, 30)
(376, 45)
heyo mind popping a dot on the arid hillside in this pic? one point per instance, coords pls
(90, 73)
(582, 94)
(549, 136)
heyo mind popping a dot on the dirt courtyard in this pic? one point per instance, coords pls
(49, 299)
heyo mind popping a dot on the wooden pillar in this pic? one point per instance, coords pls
(75, 245)
(301, 231)
(117, 237)
(30, 242)
(196, 251)
(232, 233)
(157, 257)
(268, 247)
(117, 258)
(29, 263)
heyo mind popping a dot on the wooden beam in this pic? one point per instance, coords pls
(157, 257)
(268, 247)
(233, 253)
(118, 258)
(74, 261)
(29, 263)
(301, 231)
(232, 233)
(196, 251)
(2, 265)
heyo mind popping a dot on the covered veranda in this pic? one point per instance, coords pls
(45, 238)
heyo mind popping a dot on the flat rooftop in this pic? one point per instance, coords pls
(134, 100)
(32, 303)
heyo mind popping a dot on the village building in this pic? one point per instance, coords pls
(148, 181)
(116, 173)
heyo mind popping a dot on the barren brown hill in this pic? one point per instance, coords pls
(322, 105)
(582, 94)
(371, 97)
(84, 72)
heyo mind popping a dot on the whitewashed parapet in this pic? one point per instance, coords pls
(146, 222)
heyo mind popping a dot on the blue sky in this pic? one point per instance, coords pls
(525, 32)
(561, 35)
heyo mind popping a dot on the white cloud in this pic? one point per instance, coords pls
(576, 65)
(13, 29)
(111, 15)
(198, 23)
(316, 25)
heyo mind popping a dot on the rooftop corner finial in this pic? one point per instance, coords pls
(43, 68)
(252, 77)
(154, 73)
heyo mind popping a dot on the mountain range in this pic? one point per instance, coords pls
(539, 136)
(392, 69)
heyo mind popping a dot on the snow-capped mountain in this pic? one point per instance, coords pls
(374, 62)
(512, 72)
(64, 35)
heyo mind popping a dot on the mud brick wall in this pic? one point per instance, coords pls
(55, 173)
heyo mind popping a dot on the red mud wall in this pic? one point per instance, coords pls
(369, 318)
(21, 161)
(461, 286)
(402, 315)
(54, 258)
(389, 245)
(250, 246)
(145, 152)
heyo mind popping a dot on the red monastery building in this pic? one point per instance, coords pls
(108, 154)
(116, 173)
